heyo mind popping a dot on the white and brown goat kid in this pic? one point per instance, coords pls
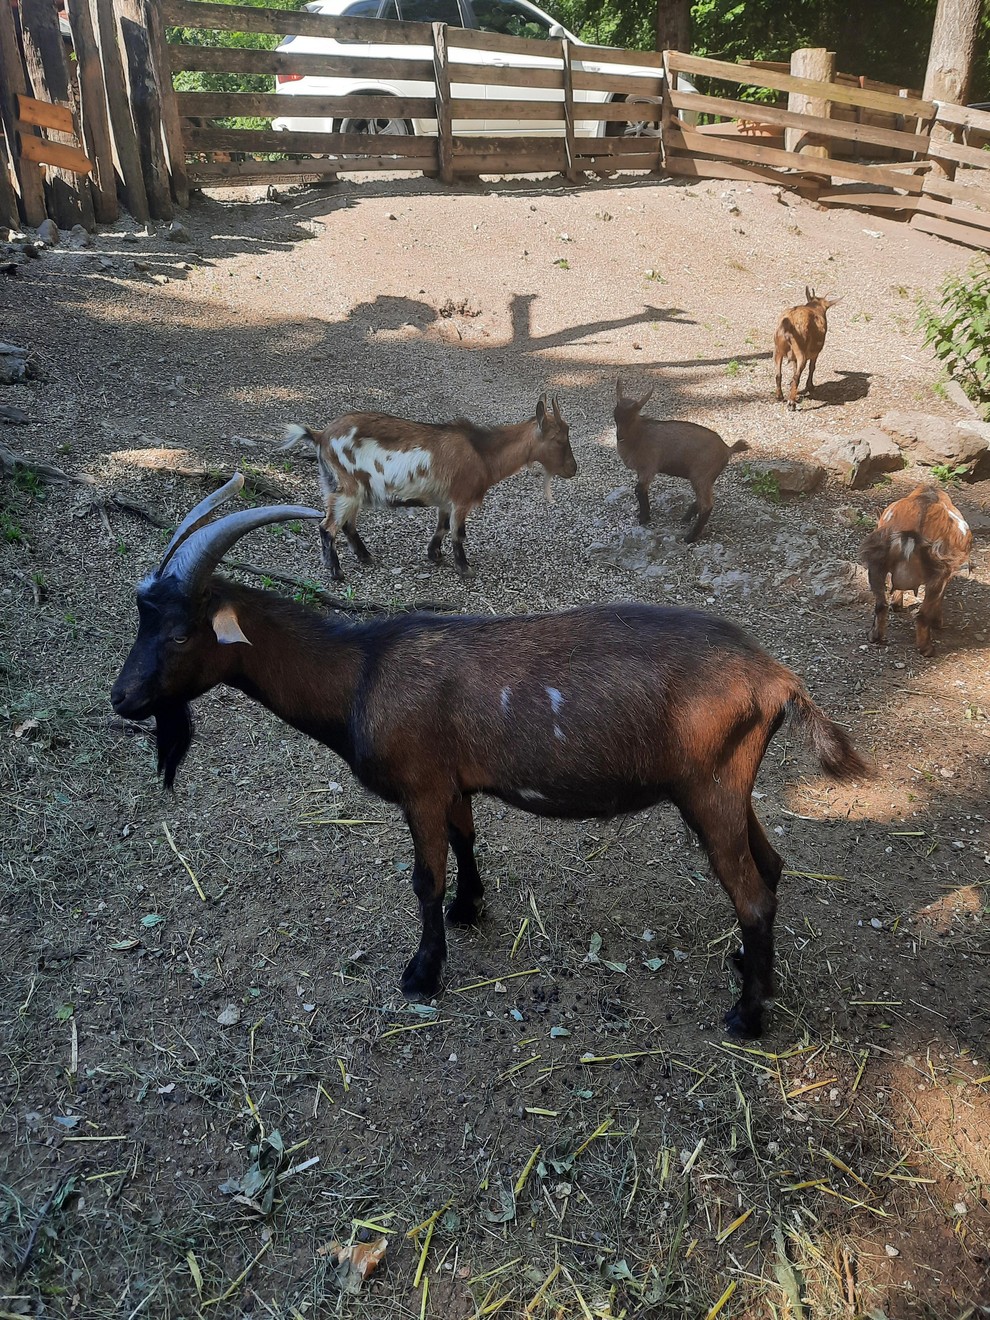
(371, 458)
(799, 338)
(921, 540)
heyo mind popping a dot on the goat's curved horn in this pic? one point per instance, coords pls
(198, 555)
(198, 516)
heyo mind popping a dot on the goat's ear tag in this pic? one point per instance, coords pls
(226, 627)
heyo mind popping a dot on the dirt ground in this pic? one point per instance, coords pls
(209, 1076)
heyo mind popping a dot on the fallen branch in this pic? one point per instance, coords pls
(159, 461)
(12, 463)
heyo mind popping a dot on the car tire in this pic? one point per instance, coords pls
(378, 127)
(633, 128)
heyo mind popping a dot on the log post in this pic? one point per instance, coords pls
(8, 198)
(13, 81)
(171, 120)
(445, 130)
(48, 71)
(93, 111)
(819, 65)
(667, 119)
(570, 149)
(124, 137)
(950, 66)
(146, 106)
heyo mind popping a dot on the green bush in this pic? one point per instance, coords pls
(958, 328)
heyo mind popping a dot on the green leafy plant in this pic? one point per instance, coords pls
(763, 483)
(563, 263)
(11, 531)
(733, 368)
(958, 328)
(949, 474)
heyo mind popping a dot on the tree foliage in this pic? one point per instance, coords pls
(883, 39)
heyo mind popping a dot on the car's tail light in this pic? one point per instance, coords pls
(288, 77)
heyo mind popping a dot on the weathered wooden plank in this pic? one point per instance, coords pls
(219, 59)
(247, 173)
(692, 139)
(42, 114)
(261, 139)
(171, 123)
(786, 82)
(234, 105)
(961, 155)
(836, 128)
(8, 197)
(869, 201)
(71, 160)
(500, 43)
(693, 167)
(93, 111)
(649, 60)
(441, 78)
(145, 106)
(618, 146)
(567, 73)
(121, 122)
(69, 199)
(293, 23)
(547, 161)
(977, 238)
(12, 81)
(978, 190)
(963, 116)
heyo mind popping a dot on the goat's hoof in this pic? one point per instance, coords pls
(746, 1023)
(434, 556)
(365, 557)
(690, 538)
(464, 912)
(644, 522)
(421, 979)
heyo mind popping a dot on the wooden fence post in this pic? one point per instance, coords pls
(570, 148)
(48, 71)
(445, 131)
(93, 111)
(171, 120)
(819, 65)
(124, 137)
(13, 81)
(8, 198)
(147, 107)
(667, 120)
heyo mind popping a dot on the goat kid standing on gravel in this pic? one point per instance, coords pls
(375, 459)
(800, 337)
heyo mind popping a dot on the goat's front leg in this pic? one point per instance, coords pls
(466, 907)
(643, 500)
(878, 585)
(435, 549)
(428, 826)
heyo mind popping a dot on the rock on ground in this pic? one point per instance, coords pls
(859, 459)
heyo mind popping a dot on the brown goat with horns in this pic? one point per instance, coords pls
(594, 712)
(800, 338)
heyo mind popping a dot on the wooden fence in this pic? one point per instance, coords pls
(593, 110)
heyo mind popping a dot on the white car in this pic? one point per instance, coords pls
(515, 18)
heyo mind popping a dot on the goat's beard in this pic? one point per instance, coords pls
(174, 734)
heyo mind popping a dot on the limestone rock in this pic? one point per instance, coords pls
(859, 459)
(933, 440)
(48, 232)
(791, 478)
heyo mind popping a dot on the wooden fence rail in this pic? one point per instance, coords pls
(454, 101)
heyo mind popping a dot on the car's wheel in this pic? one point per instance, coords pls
(634, 127)
(380, 127)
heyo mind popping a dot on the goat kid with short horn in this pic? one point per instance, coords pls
(375, 459)
(594, 712)
(800, 338)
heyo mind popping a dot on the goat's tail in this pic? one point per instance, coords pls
(294, 433)
(832, 745)
(739, 447)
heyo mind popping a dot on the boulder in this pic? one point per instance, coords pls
(939, 441)
(48, 232)
(790, 477)
(859, 459)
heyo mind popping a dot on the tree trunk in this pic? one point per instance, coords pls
(674, 25)
(953, 49)
(819, 65)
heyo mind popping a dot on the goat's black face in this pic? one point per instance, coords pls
(174, 657)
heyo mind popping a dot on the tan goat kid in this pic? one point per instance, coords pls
(649, 446)
(374, 459)
(920, 541)
(799, 338)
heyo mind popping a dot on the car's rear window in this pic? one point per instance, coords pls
(431, 11)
